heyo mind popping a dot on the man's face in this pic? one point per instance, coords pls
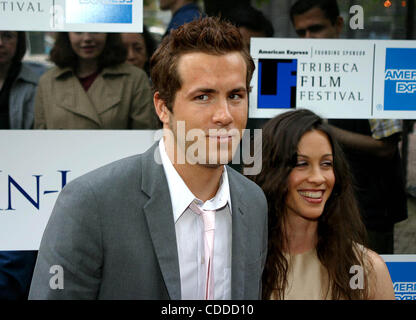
(8, 46)
(212, 104)
(314, 24)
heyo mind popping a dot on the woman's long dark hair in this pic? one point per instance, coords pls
(340, 227)
(63, 56)
(20, 47)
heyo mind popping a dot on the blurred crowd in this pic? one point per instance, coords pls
(98, 80)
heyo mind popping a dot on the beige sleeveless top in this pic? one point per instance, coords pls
(307, 278)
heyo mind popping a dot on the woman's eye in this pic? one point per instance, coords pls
(327, 163)
(301, 163)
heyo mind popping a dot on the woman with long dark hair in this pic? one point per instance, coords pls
(316, 237)
(92, 87)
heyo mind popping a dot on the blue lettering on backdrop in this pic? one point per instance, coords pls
(35, 201)
(23, 192)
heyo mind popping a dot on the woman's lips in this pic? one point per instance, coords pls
(88, 49)
(312, 196)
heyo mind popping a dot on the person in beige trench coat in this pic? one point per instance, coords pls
(92, 87)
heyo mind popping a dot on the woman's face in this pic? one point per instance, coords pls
(312, 179)
(136, 48)
(8, 46)
(87, 45)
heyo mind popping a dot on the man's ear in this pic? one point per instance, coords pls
(339, 25)
(161, 109)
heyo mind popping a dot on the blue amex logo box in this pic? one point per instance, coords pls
(400, 79)
(98, 11)
(403, 275)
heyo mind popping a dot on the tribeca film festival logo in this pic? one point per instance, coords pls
(277, 78)
(277, 83)
(319, 81)
(400, 79)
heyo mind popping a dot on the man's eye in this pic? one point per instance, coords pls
(235, 96)
(202, 97)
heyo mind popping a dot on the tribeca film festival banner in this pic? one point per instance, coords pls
(334, 78)
(39, 163)
(72, 15)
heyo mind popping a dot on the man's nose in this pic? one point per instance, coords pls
(222, 115)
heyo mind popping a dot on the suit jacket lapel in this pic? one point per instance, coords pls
(239, 239)
(159, 215)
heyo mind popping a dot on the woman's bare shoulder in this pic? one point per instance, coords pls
(381, 286)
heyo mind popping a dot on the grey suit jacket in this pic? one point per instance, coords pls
(112, 232)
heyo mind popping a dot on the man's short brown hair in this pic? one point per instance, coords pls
(207, 35)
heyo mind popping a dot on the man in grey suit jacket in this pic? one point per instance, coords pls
(128, 230)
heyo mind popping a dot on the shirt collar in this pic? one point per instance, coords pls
(180, 195)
